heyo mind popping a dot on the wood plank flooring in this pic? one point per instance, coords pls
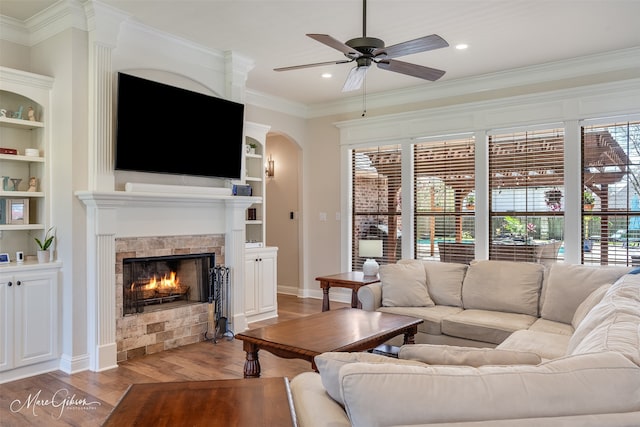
(86, 398)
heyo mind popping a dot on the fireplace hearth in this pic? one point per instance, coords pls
(162, 282)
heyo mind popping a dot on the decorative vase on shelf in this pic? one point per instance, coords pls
(44, 256)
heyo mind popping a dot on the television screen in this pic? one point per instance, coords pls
(166, 129)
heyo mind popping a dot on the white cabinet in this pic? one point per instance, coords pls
(254, 160)
(261, 283)
(24, 109)
(29, 316)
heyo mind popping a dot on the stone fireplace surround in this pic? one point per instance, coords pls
(152, 332)
(183, 211)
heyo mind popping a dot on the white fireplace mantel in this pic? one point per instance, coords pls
(112, 214)
(114, 199)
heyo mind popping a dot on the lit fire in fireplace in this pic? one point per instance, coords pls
(170, 283)
(167, 285)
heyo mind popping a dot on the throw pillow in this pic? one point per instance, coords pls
(508, 286)
(434, 354)
(444, 282)
(568, 285)
(404, 285)
(329, 365)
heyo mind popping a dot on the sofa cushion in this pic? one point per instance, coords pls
(507, 286)
(587, 305)
(620, 332)
(620, 304)
(404, 285)
(329, 365)
(444, 281)
(388, 395)
(569, 285)
(432, 316)
(544, 325)
(466, 356)
(485, 325)
(545, 344)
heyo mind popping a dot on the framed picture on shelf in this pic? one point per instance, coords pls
(4, 258)
(17, 211)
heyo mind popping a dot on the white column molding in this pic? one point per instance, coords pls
(101, 288)
(236, 71)
(103, 26)
(234, 257)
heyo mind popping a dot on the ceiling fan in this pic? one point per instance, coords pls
(370, 50)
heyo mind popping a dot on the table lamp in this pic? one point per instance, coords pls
(370, 249)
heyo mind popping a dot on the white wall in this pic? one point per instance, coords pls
(64, 56)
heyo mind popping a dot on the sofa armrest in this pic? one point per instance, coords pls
(370, 296)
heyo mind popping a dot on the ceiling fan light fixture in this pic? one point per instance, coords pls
(355, 78)
(367, 50)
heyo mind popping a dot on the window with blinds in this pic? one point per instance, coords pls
(611, 194)
(444, 183)
(526, 196)
(376, 182)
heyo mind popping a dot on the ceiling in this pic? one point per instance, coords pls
(501, 34)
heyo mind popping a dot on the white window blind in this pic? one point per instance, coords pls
(526, 195)
(444, 205)
(611, 177)
(376, 178)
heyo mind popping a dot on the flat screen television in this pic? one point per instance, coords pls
(166, 129)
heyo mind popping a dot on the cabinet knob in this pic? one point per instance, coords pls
(18, 283)
(9, 284)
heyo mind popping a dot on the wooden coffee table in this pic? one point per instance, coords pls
(346, 329)
(263, 402)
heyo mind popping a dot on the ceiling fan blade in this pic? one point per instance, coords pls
(336, 44)
(355, 78)
(414, 70)
(317, 64)
(421, 44)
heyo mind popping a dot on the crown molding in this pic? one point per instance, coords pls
(59, 17)
(575, 68)
(273, 103)
(14, 31)
(45, 24)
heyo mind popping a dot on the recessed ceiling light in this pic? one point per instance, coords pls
(462, 46)
(326, 75)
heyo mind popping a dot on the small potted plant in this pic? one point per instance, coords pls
(588, 200)
(44, 245)
(470, 201)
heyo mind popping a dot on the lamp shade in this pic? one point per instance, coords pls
(370, 248)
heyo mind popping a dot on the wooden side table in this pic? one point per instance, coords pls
(353, 280)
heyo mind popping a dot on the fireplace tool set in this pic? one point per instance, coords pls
(218, 324)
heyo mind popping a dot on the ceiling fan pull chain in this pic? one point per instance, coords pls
(364, 97)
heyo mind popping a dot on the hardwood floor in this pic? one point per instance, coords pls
(87, 398)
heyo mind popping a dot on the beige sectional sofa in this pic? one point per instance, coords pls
(503, 343)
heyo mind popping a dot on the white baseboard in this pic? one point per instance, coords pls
(72, 365)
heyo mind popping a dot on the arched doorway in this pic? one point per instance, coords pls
(283, 204)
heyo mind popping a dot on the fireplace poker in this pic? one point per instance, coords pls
(210, 333)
